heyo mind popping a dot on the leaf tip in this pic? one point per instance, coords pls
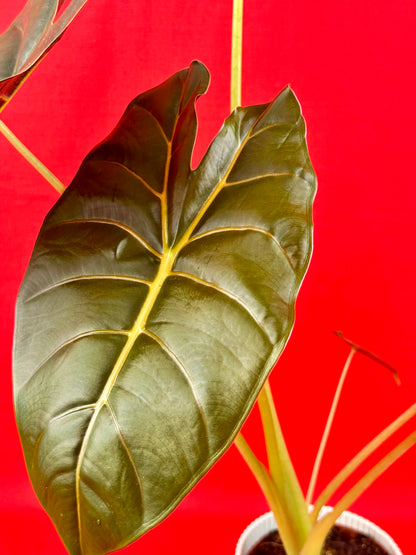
(199, 71)
(369, 355)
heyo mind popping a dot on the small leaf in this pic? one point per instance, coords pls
(370, 355)
(156, 302)
(29, 38)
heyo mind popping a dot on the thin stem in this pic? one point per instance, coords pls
(368, 450)
(370, 355)
(281, 467)
(37, 164)
(329, 422)
(236, 54)
(321, 529)
(267, 485)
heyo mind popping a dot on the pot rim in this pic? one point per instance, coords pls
(265, 523)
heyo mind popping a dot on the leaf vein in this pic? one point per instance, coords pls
(277, 124)
(103, 221)
(132, 173)
(265, 175)
(244, 228)
(149, 405)
(222, 183)
(90, 277)
(227, 294)
(154, 118)
(73, 340)
(51, 421)
(183, 370)
(126, 447)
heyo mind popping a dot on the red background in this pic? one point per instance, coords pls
(352, 66)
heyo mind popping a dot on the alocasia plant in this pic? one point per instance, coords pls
(156, 302)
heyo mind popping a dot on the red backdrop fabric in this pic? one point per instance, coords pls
(351, 64)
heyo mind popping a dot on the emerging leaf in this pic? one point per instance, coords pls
(156, 302)
(29, 38)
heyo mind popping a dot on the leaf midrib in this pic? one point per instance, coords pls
(165, 267)
(167, 262)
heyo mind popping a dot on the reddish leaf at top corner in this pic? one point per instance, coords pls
(28, 39)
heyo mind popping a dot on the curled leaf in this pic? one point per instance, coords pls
(156, 302)
(29, 38)
(370, 355)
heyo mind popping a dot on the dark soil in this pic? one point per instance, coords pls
(340, 541)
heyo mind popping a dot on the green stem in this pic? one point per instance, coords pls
(281, 467)
(236, 54)
(328, 426)
(316, 539)
(267, 485)
(37, 164)
(368, 450)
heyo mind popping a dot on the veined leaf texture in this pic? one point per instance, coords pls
(156, 302)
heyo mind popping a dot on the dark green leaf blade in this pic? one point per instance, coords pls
(155, 304)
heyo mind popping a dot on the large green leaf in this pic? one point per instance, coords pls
(156, 302)
(29, 38)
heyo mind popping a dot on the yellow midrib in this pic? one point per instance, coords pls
(166, 264)
(165, 268)
(167, 261)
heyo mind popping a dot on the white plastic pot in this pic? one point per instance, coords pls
(266, 524)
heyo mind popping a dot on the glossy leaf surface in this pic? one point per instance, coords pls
(156, 302)
(28, 39)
